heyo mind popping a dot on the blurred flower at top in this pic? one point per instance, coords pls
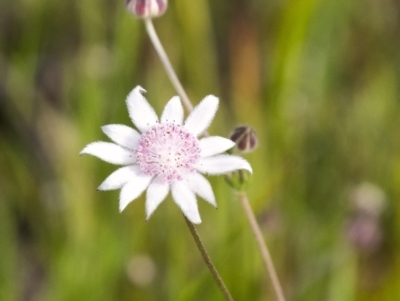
(364, 226)
(166, 155)
(146, 8)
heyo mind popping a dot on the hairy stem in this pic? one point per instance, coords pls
(167, 64)
(208, 261)
(249, 213)
(189, 107)
(262, 245)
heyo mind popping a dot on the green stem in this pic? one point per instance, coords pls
(262, 246)
(208, 261)
(167, 64)
(249, 213)
(189, 107)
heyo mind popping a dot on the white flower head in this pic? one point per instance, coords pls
(165, 155)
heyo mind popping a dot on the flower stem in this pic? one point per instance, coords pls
(167, 64)
(249, 213)
(262, 245)
(189, 107)
(208, 261)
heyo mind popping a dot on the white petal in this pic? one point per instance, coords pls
(200, 185)
(122, 135)
(222, 164)
(186, 200)
(173, 112)
(118, 178)
(134, 188)
(109, 152)
(156, 193)
(202, 115)
(140, 111)
(214, 145)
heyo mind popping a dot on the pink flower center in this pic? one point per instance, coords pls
(168, 151)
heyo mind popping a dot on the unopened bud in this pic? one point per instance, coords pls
(146, 8)
(245, 138)
(238, 179)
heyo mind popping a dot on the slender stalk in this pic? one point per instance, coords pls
(189, 107)
(262, 245)
(249, 213)
(208, 261)
(167, 64)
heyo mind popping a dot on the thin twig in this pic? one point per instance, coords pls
(262, 245)
(208, 261)
(167, 64)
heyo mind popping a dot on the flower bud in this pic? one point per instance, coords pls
(238, 179)
(245, 138)
(146, 8)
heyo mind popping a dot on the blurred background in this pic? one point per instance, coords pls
(319, 82)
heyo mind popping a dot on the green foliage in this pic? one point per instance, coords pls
(319, 82)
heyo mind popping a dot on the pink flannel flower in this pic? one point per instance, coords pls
(165, 155)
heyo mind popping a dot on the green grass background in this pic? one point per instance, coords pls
(318, 80)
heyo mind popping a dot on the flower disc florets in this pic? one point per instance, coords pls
(169, 151)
